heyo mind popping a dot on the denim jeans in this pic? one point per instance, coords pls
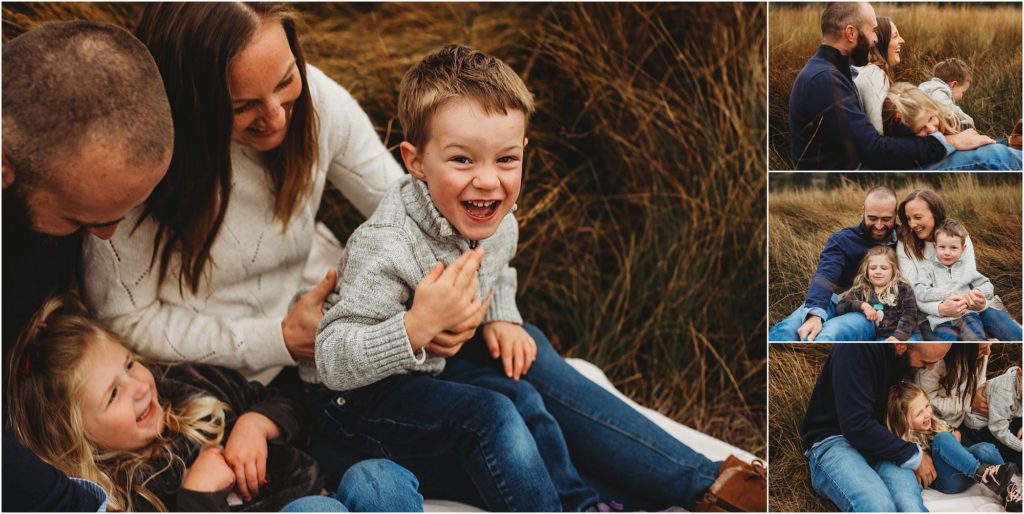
(956, 465)
(988, 157)
(428, 425)
(1000, 325)
(968, 327)
(840, 473)
(852, 326)
(375, 485)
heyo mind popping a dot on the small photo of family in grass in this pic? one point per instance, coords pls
(894, 257)
(383, 257)
(895, 427)
(894, 86)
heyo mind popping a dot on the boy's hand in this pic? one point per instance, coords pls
(299, 326)
(246, 452)
(450, 341)
(869, 312)
(953, 307)
(444, 298)
(209, 473)
(515, 347)
(976, 300)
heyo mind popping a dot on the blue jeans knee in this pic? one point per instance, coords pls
(379, 485)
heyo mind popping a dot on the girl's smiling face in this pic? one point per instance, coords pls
(920, 219)
(879, 271)
(920, 412)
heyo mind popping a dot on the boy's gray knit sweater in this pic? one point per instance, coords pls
(1004, 404)
(362, 338)
(943, 94)
(936, 281)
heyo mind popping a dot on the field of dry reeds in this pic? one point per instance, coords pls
(804, 209)
(791, 375)
(642, 241)
(986, 36)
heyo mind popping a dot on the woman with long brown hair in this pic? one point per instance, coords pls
(919, 213)
(873, 81)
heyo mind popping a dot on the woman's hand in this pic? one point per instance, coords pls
(246, 452)
(299, 325)
(450, 341)
(979, 403)
(968, 140)
(515, 347)
(869, 312)
(953, 307)
(209, 473)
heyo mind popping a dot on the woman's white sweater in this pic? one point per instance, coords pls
(234, 319)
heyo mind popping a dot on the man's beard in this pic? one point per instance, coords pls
(860, 53)
(15, 210)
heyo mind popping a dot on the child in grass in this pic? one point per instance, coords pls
(1004, 404)
(909, 416)
(880, 292)
(946, 274)
(84, 403)
(908, 111)
(950, 80)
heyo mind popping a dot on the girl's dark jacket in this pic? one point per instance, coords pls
(291, 473)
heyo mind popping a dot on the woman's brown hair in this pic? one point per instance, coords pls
(880, 52)
(193, 45)
(914, 247)
(961, 368)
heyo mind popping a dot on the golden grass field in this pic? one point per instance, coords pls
(801, 218)
(987, 37)
(794, 369)
(642, 243)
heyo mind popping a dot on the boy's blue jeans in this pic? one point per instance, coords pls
(840, 473)
(956, 465)
(852, 326)
(510, 451)
(375, 485)
(968, 327)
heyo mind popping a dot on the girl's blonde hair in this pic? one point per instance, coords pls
(898, 415)
(905, 104)
(44, 376)
(890, 295)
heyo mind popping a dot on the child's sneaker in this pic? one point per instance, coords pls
(996, 477)
(740, 487)
(1011, 497)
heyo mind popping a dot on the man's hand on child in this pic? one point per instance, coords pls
(925, 472)
(968, 140)
(515, 347)
(450, 341)
(246, 452)
(444, 298)
(809, 330)
(299, 326)
(209, 473)
(953, 307)
(869, 312)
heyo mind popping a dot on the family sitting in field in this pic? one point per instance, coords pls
(845, 112)
(205, 382)
(917, 280)
(886, 420)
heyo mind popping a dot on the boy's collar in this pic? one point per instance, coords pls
(421, 208)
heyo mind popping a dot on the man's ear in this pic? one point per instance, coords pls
(413, 161)
(900, 348)
(8, 170)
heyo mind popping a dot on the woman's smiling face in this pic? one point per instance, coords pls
(895, 45)
(264, 83)
(920, 219)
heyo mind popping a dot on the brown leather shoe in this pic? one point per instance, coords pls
(1015, 137)
(740, 487)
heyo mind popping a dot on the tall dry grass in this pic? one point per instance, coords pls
(987, 37)
(791, 375)
(642, 244)
(801, 220)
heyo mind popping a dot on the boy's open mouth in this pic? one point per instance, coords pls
(481, 210)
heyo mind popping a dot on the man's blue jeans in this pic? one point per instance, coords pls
(852, 326)
(956, 465)
(988, 157)
(375, 485)
(840, 473)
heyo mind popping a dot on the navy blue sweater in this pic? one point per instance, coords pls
(828, 127)
(850, 399)
(838, 264)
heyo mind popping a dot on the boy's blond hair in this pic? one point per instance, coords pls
(952, 69)
(906, 104)
(953, 228)
(452, 72)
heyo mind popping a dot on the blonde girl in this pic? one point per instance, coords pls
(910, 416)
(881, 293)
(83, 402)
(908, 111)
